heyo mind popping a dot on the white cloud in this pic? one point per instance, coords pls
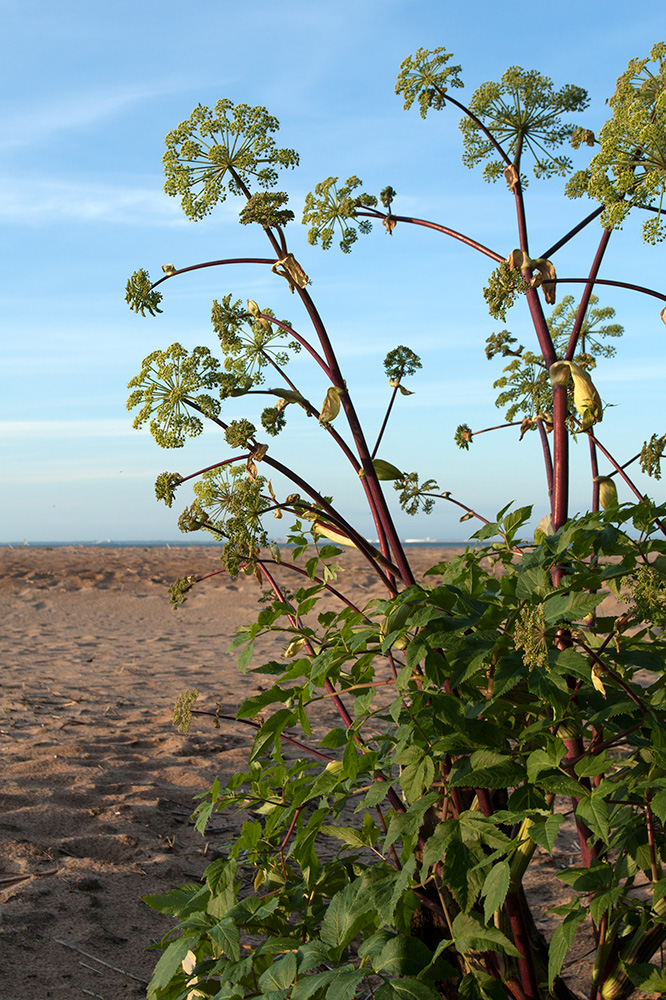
(38, 201)
(13, 431)
(37, 125)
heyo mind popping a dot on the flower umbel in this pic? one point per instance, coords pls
(331, 205)
(168, 387)
(213, 152)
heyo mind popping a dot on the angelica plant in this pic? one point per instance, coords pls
(478, 706)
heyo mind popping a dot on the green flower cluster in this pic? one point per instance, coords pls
(213, 152)
(525, 384)
(249, 343)
(234, 504)
(140, 295)
(630, 168)
(330, 205)
(523, 113)
(169, 386)
(425, 77)
(265, 208)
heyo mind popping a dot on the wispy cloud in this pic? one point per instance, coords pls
(37, 125)
(43, 201)
(14, 431)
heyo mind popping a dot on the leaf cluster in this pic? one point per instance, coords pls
(479, 713)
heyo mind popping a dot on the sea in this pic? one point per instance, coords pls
(141, 543)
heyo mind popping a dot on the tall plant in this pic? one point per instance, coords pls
(387, 856)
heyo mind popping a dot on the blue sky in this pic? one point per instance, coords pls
(90, 90)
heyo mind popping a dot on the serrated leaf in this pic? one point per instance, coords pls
(471, 935)
(344, 915)
(226, 936)
(402, 956)
(561, 942)
(347, 834)
(594, 812)
(280, 975)
(340, 984)
(495, 888)
(543, 832)
(169, 963)
(570, 607)
(406, 989)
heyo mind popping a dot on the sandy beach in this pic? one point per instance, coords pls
(97, 784)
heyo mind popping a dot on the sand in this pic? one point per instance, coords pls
(97, 785)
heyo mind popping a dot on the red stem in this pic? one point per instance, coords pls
(585, 298)
(440, 229)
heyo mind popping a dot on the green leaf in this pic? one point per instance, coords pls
(561, 942)
(417, 776)
(594, 812)
(543, 832)
(646, 977)
(570, 607)
(591, 879)
(402, 956)
(227, 938)
(495, 888)
(339, 984)
(386, 471)
(406, 989)
(592, 766)
(385, 893)
(347, 834)
(169, 964)
(470, 934)
(280, 975)
(345, 915)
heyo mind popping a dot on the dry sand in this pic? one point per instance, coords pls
(97, 785)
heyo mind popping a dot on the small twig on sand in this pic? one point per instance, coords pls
(11, 879)
(113, 968)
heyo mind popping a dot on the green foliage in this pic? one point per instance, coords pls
(330, 206)
(629, 171)
(524, 114)
(222, 150)
(318, 907)
(387, 855)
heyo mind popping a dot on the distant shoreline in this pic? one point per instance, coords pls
(428, 543)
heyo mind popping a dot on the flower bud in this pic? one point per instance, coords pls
(607, 492)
